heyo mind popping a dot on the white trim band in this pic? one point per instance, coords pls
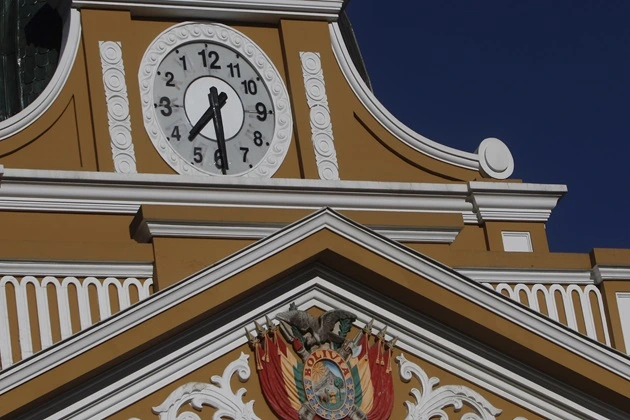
(150, 229)
(75, 269)
(606, 272)
(101, 192)
(263, 11)
(527, 276)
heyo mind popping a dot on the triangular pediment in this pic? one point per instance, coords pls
(324, 261)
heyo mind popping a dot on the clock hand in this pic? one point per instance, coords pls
(218, 128)
(206, 117)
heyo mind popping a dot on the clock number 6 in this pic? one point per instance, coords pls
(218, 161)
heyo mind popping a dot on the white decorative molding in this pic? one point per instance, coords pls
(321, 124)
(623, 305)
(526, 276)
(516, 241)
(567, 293)
(501, 306)
(239, 42)
(417, 335)
(502, 201)
(102, 192)
(64, 300)
(262, 11)
(147, 230)
(69, 46)
(493, 157)
(75, 269)
(117, 107)
(220, 396)
(608, 272)
(431, 401)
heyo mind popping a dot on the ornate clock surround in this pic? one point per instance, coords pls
(220, 34)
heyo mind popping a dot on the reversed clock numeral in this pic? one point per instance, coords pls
(258, 140)
(175, 133)
(165, 103)
(235, 69)
(197, 155)
(261, 110)
(250, 87)
(214, 58)
(218, 161)
(169, 79)
(183, 60)
(245, 151)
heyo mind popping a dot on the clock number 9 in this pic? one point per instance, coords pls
(261, 110)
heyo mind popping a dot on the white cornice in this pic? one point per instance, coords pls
(75, 269)
(527, 276)
(103, 192)
(609, 272)
(503, 201)
(416, 334)
(264, 11)
(492, 157)
(70, 46)
(149, 229)
(588, 349)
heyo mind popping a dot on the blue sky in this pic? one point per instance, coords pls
(549, 78)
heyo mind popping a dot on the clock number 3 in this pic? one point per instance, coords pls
(166, 104)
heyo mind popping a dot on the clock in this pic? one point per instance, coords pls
(213, 103)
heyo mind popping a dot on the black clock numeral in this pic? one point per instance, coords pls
(250, 87)
(245, 151)
(169, 79)
(175, 133)
(234, 68)
(166, 104)
(218, 161)
(214, 57)
(261, 110)
(213, 64)
(183, 60)
(258, 140)
(198, 157)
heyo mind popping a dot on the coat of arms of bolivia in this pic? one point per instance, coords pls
(310, 370)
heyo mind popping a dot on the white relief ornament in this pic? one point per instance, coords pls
(117, 107)
(430, 403)
(321, 124)
(229, 404)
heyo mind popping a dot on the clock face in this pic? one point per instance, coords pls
(214, 104)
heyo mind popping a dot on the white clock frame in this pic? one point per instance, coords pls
(221, 34)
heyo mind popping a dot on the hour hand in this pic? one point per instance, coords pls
(206, 117)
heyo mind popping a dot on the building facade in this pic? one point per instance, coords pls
(205, 211)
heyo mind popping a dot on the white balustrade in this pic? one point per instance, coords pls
(570, 295)
(64, 301)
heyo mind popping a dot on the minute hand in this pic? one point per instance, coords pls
(218, 128)
(206, 117)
